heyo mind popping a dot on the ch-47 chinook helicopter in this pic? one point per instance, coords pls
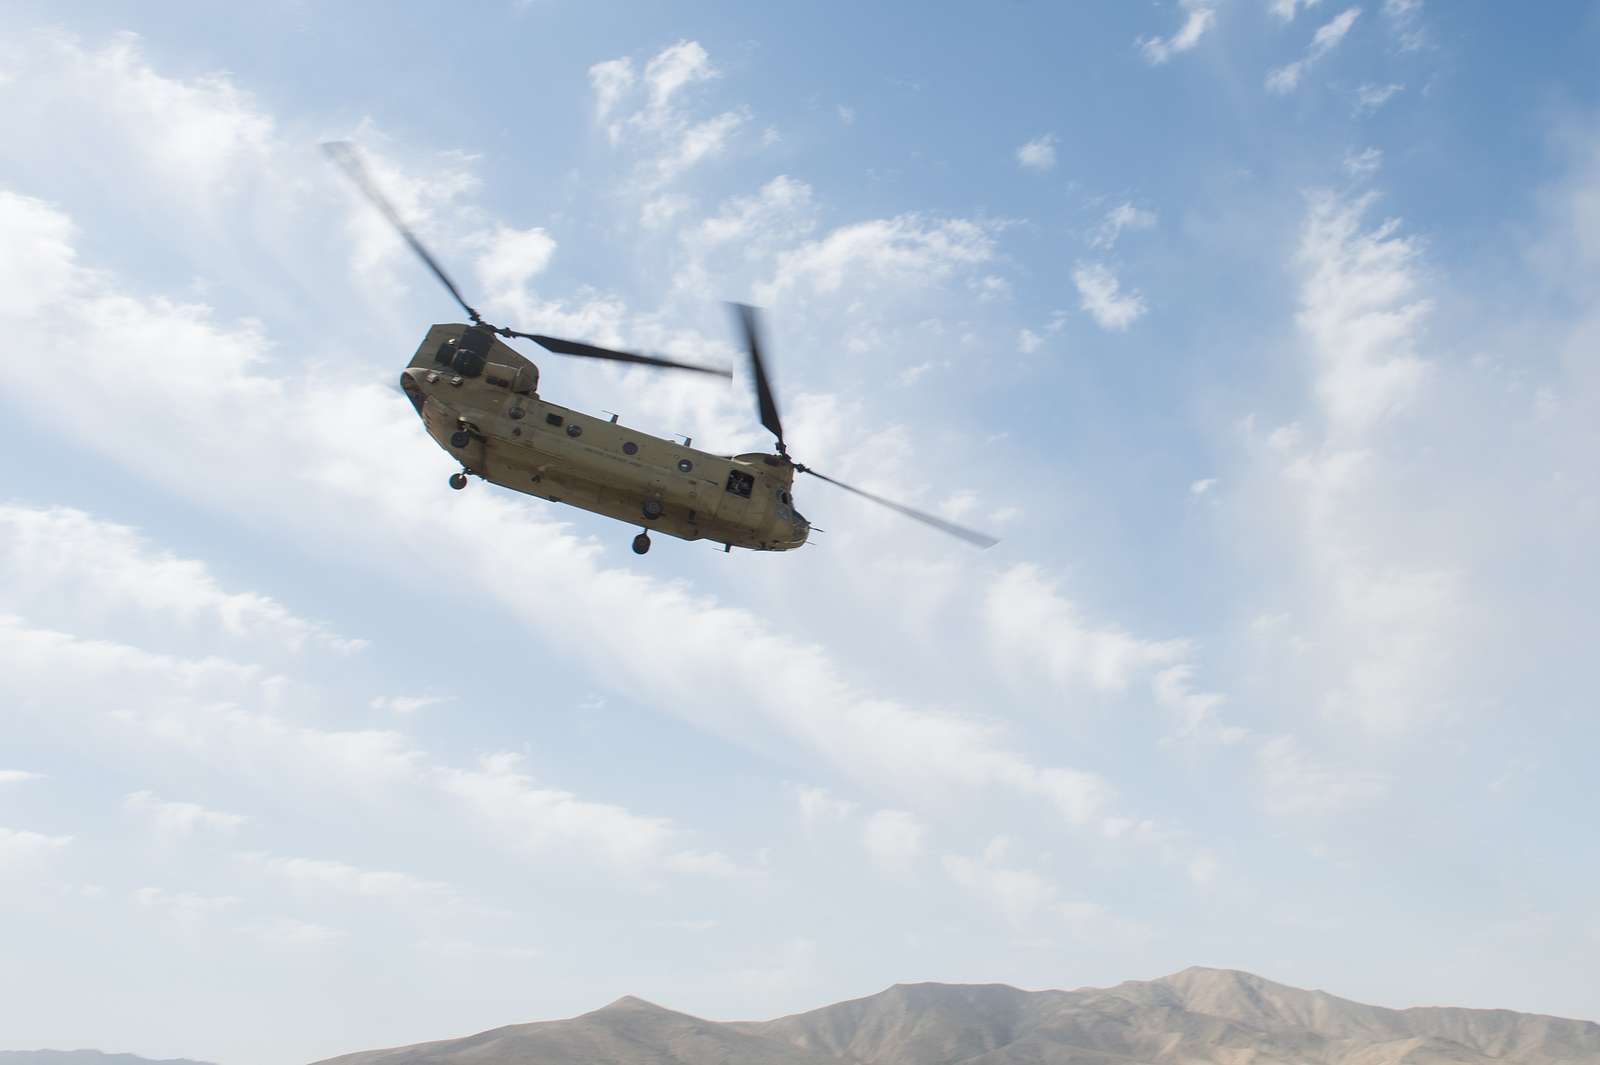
(479, 400)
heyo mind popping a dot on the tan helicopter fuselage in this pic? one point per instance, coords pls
(515, 439)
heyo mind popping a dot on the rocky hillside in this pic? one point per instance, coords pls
(1196, 1017)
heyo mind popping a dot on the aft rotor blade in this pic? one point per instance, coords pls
(749, 318)
(971, 536)
(344, 154)
(590, 351)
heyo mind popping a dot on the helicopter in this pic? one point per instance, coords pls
(479, 400)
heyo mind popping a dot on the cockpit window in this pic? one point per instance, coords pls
(740, 483)
(783, 497)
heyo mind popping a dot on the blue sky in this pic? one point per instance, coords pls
(1264, 334)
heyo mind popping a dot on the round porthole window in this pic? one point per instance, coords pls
(684, 465)
(574, 430)
(630, 448)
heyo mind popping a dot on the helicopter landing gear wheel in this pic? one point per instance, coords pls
(458, 481)
(641, 543)
(460, 438)
(653, 509)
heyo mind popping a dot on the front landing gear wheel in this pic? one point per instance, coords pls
(641, 543)
(653, 509)
(460, 439)
(458, 481)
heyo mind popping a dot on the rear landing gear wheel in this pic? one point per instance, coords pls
(458, 481)
(653, 509)
(460, 438)
(641, 543)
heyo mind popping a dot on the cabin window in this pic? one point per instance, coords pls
(630, 448)
(684, 465)
(552, 419)
(740, 483)
(574, 430)
(783, 497)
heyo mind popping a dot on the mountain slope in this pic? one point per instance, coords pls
(1196, 1017)
(629, 1030)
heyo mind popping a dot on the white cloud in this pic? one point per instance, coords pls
(610, 80)
(1028, 341)
(49, 235)
(1203, 486)
(700, 141)
(1039, 154)
(894, 839)
(1200, 16)
(313, 877)
(1364, 164)
(1102, 296)
(658, 213)
(671, 139)
(820, 807)
(1404, 17)
(60, 560)
(188, 911)
(523, 816)
(213, 138)
(847, 115)
(1371, 96)
(1286, 79)
(514, 257)
(407, 704)
(1172, 688)
(1123, 217)
(1287, 9)
(1294, 785)
(909, 248)
(1031, 626)
(706, 863)
(180, 819)
(291, 933)
(1359, 311)
(1018, 894)
(780, 211)
(1028, 619)
(21, 849)
(990, 288)
(18, 776)
(1203, 869)
(674, 67)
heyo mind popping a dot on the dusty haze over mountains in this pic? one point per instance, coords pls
(1195, 1017)
(84, 1057)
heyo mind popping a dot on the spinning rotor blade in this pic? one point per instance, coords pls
(749, 319)
(977, 539)
(590, 351)
(344, 154)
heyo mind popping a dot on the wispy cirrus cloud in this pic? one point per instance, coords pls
(669, 136)
(1198, 17)
(1371, 96)
(1124, 217)
(1288, 9)
(180, 819)
(1286, 79)
(1039, 154)
(1102, 296)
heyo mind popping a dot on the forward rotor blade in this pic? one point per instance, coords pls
(977, 539)
(590, 351)
(344, 154)
(749, 318)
